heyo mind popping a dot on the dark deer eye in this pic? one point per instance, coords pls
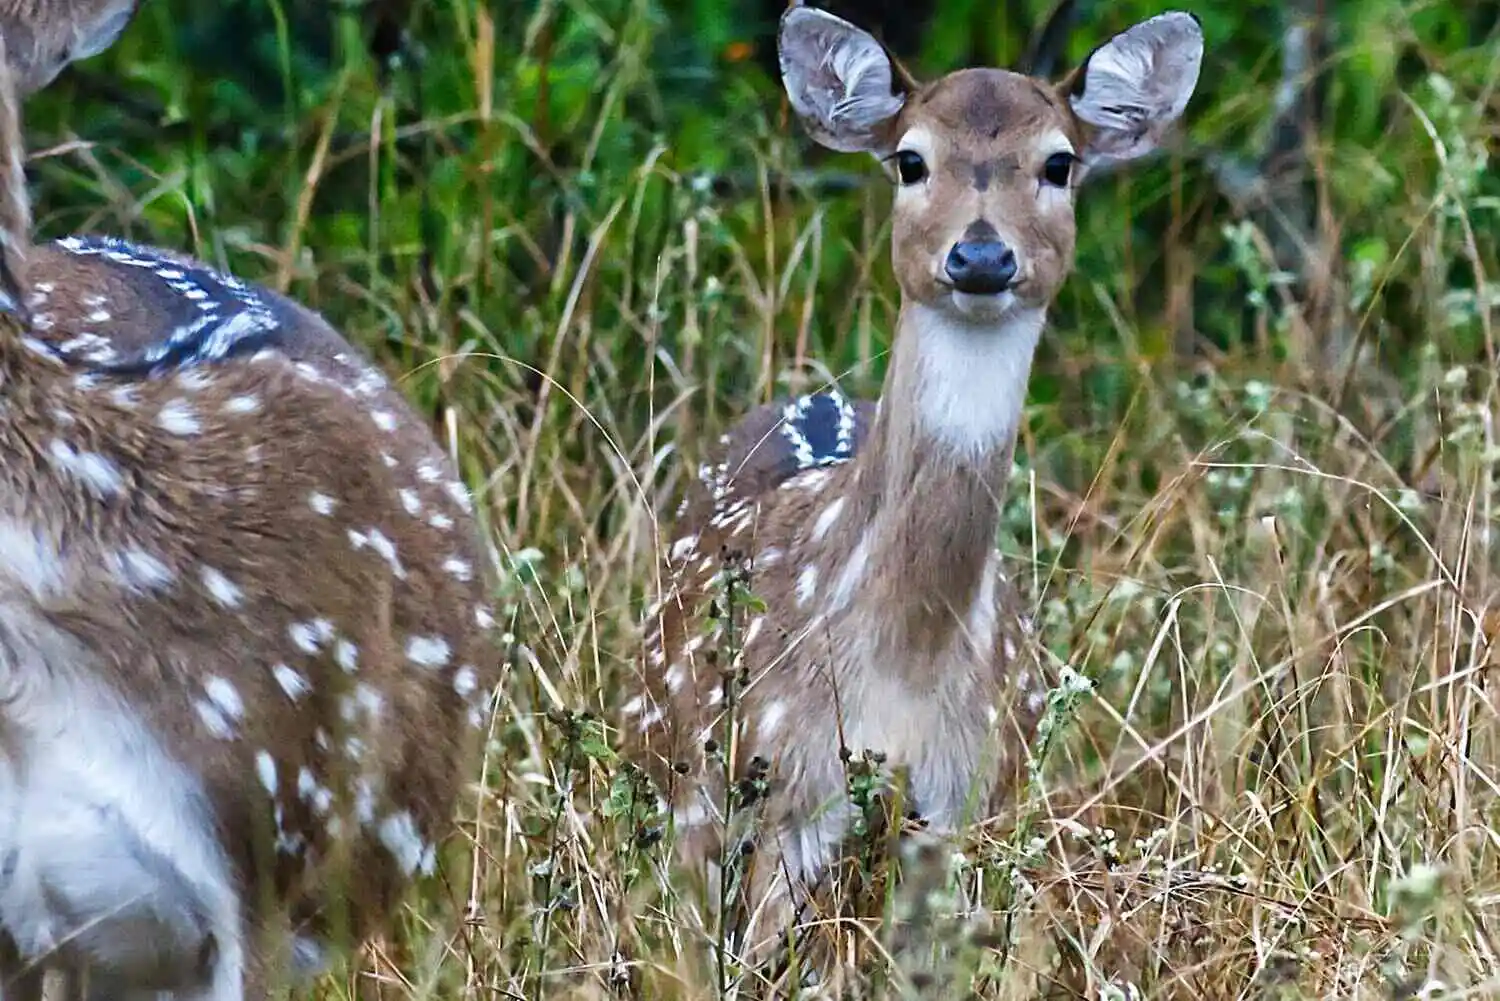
(1057, 169)
(909, 166)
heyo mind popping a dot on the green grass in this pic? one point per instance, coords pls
(1269, 552)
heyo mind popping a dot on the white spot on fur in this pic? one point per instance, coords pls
(93, 470)
(292, 683)
(684, 547)
(826, 518)
(139, 570)
(242, 405)
(458, 569)
(322, 503)
(676, 678)
(851, 575)
(346, 654)
(214, 720)
(194, 380)
(221, 589)
(807, 584)
(427, 651)
(411, 501)
(369, 700)
(398, 833)
(465, 680)
(984, 613)
(460, 495)
(265, 768)
(771, 718)
(304, 636)
(177, 417)
(222, 693)
(383, 546)
(384, 419)
(312, 792)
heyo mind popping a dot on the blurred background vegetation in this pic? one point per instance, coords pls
(587, 235)
(449, 175)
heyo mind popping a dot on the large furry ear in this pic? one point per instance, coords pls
(840, 81)
(44, 36)
(1134, 86)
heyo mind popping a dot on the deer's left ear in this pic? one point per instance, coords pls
(1134, 86)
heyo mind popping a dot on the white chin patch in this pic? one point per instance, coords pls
(983, 307)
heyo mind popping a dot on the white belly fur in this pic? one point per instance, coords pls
(98, 823)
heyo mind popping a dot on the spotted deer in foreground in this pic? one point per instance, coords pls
(243, 626)
(868, 531)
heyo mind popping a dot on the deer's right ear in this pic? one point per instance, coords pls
(840, 81)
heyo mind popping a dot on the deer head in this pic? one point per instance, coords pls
(987, 161)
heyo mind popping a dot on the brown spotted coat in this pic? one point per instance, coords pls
(243, 624)
(868, 533)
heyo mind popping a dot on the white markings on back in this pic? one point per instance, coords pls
(398, 833)
(427, 651)
(825, 519)
(177, 417)
(377, 540)
(221, 589)
(265, 768)
(242, 405)
(291, 681)
(94, 471)
(807, 584)
(138, 570)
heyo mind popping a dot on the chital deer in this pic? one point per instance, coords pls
(869, 531)
(243, 652)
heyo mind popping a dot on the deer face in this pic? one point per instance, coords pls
(986, 161)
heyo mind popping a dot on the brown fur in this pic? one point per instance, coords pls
(266, 557)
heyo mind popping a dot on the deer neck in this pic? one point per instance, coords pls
(928, 485)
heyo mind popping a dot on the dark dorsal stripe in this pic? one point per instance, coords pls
(208, 316)
(776, 441)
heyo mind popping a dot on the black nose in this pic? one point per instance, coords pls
(981, 268)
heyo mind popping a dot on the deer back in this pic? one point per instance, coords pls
(253, 547)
